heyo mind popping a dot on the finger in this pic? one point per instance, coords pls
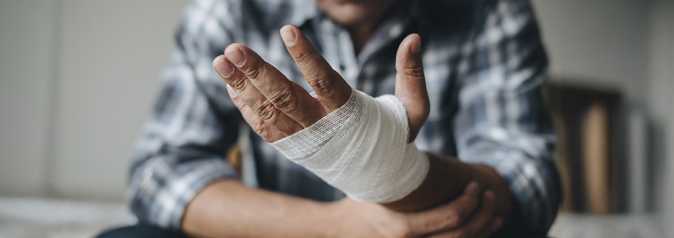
(491, 228)
(267, 132)
(329, 86)
(254, 99)
(411, 83)
(480, 220)
(447, 216)
(285, 95)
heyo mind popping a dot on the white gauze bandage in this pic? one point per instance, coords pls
(361, 148)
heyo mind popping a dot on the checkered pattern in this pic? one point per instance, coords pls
(484, 64)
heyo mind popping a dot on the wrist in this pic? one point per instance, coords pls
(335, 216)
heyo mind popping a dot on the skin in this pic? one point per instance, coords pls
(229, 209)
(360, 17)
(455, 200)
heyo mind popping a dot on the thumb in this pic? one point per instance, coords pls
(411, 83)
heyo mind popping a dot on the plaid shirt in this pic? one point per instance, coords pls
(484, 64)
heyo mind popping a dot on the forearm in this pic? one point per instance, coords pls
(229, 209)
(446, 179)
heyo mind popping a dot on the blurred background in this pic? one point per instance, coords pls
(77, 79)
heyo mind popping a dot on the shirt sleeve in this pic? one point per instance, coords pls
(182, 145)
(502, 120)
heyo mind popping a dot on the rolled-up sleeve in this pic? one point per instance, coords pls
(182, 145)
(502, 120)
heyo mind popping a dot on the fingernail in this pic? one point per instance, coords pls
(489, 197)
(236, 56)
(288, 36)
(224, 68)
(415, 46)
(474, 188)
(231, 91)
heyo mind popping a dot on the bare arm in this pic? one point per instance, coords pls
(230, 209)
(226, 208)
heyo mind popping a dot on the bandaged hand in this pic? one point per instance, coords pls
(358, 144)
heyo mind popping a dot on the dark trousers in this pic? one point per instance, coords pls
(142, 230)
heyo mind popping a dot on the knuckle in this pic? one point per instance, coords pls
(323, 84)
(302, 58)
(266, 111)
(285, 101)
(254, 71)
(414, 70)
(261, 129)
(238, 84)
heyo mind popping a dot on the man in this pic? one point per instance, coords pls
(483, 63)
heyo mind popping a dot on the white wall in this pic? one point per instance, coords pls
(77, 79)
(604, 42)
(27, 55)
(111, 55)
(660, 102)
